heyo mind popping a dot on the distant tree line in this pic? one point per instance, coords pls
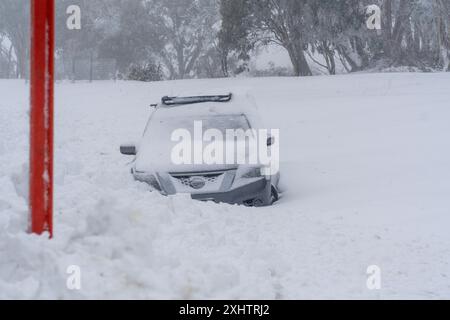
(178, 39)
(414, 33)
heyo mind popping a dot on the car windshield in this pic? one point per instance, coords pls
(163, 128)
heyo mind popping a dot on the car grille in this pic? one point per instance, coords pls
(187, 180)
(209, 180)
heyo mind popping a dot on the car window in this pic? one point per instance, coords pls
(165, 127)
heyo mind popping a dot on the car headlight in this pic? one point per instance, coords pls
(250, 173)
(153, 182)
(150, 179)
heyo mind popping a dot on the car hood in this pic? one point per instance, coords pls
(159, 159)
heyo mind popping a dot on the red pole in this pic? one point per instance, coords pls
(41, 116)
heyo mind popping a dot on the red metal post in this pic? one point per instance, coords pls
(41, 116)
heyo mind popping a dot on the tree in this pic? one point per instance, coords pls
(237, 36)
(98, 21)
(15, 22)
(147, 72)
(6, 57)
(335, 24)
(416, 33)
(135, 39)
(442, 14)
(187, 28)
(289, 24)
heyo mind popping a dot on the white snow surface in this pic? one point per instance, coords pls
(365, 170)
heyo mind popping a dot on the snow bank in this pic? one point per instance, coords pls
(366, 172)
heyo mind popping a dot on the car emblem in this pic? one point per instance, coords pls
(197, 182)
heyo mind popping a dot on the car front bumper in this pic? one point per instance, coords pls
(257, 193)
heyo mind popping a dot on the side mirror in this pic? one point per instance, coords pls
(128, 150)
(270, 141)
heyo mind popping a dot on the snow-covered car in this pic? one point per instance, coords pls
(184, 128)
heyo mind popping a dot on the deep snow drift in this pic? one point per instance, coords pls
(366, 173)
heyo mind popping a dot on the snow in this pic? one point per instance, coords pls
(272, 54)
(365, 169)
(163, 135)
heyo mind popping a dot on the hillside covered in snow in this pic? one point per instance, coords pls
(365, 166)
